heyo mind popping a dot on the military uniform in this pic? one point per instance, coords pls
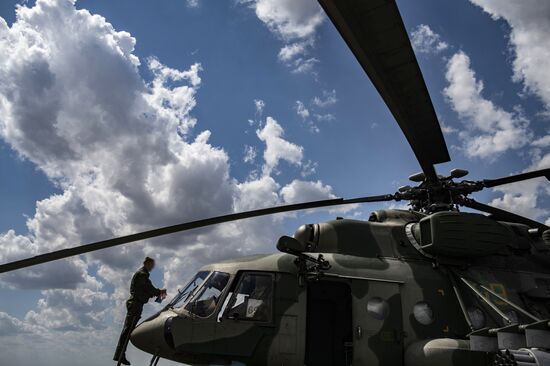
(141, 290)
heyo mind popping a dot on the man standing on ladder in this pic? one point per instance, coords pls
(141, 290)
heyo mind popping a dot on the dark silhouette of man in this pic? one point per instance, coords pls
(141, 290)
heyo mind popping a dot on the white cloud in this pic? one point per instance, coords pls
(529, 29)
(295, 23)
(125, 154)
(490, 129)
(277, 148)
(309, 168)
(302, 65)
(542, 142)
(425, 40)
(524, 198)
(63, 310)
(530, 26)
(193, 3)
(249, 154)
(259, 105)
(328, 98)
(324, 117)
(301, 110)
(304, 191)
(288, 19)
(10, 326)
(293, 50)
(300, 191)
(448, 129)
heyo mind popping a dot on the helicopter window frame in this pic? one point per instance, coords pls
(231, 298)
(198, 292)
(186, 293)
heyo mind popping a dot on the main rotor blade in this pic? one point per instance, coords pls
(501, 214)
(374, 31)
(488, 183)
(82, 249)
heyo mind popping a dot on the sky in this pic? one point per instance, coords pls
(117, 117)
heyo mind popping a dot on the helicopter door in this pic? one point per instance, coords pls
(329, 326)
(246, 316)
(377, 323)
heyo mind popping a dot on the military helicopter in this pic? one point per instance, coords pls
(427, 286)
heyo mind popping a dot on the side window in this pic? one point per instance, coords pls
(252, 299)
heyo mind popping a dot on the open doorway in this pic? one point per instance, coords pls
(329, 324)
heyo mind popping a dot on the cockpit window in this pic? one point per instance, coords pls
(252, 299)
(204, 301)
(187, 291)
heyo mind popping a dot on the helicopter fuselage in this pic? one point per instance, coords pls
(382, 301)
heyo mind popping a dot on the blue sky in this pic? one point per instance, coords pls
(480, 58)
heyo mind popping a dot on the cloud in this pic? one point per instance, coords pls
(301, 110)
(10, 326)
(288, 19)
(63, 310)
(249, 154)
(277, 148)
(524, 198)
(300, 191)
(490, 129)
(324, 117)
(304, 191)
(259, 105)
(529, 29)
(295, 23)
(328, 98)
(126, 155)
(293, 50)
(303, 65)
(425, 40)
(193, 3)
(542, 141)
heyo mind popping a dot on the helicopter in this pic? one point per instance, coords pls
(432, 285)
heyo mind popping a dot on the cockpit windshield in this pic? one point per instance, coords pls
(204, 301)
(185, 293)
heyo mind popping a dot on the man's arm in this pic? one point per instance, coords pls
(145, 286)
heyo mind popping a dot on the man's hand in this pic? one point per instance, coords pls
(163, 293)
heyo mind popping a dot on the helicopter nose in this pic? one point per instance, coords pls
(149, 336)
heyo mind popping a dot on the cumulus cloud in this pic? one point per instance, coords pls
(277, 148)
(425, 40)
(529, 27)
(10, 326)
(295, 23)
(125, 154)
(298, 191)
(530, 46)
(524, 198)
(81, 309)
(490, 129)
